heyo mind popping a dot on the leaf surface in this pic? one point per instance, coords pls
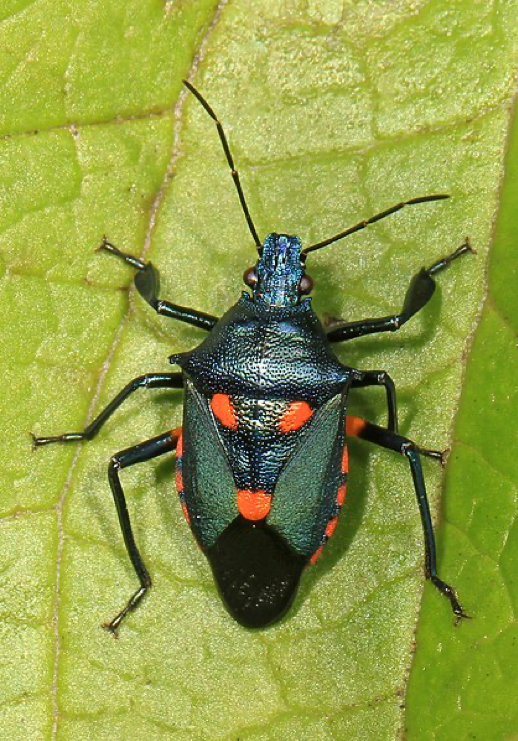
(463, 682)
(334, 111)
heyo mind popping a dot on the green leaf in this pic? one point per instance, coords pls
(463, 682)
(334, 111)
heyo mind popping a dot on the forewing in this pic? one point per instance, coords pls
(304, 500)
(209, 489)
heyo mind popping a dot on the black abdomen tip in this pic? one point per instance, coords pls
(256, 571)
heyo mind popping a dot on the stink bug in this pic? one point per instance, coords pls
(261, 458)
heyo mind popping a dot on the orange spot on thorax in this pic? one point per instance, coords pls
(295, 416)
(224, 411)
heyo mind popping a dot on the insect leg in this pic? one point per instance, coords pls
(137, 454)
(420, 291)
(147, 282)
(150, 380)
(380, 378)
(392, 441)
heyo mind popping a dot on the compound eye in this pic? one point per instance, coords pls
(250, 277)
(305, 285)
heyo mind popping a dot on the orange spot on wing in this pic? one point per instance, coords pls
(340, 494)
(295, 416)
(316, 554)
(176, 436)
(179, 480)
(253, 505)
(179, 453)
(186, 513)
(224, 410)
(345, 460)
(179, 444)
(331, 525)
(354, 426)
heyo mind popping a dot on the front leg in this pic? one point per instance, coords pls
(147, 282)
(420, 291)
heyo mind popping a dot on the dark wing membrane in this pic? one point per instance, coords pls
(304, 499)
(209, 489)
(257, 573)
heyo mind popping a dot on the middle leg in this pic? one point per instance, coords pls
(380, 378)
(150, 380)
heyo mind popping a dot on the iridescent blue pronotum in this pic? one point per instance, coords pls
(261, 457)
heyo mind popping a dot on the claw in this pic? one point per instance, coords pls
(469, 247)
(451, 594)
(112, 249)
(438, 455)
(444, 456)
(460, 616)
(111, 629)
(37, 442)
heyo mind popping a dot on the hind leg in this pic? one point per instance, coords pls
(355, 426)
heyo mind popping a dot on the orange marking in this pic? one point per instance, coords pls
(340, 494)
(254, 505)
(331, 525)
(224, 410)
(354, 426)
(345, 460)
(178, 435)
(186, 513)
(295, 416)
(179, 481)
(316, 554)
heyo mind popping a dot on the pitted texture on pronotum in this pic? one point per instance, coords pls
(266, 352)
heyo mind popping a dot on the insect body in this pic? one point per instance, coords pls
(261, 456)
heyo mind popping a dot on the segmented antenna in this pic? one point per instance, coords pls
(377, 217)
(228, 155)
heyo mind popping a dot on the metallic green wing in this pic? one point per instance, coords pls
(304, 499)
(209, 488)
